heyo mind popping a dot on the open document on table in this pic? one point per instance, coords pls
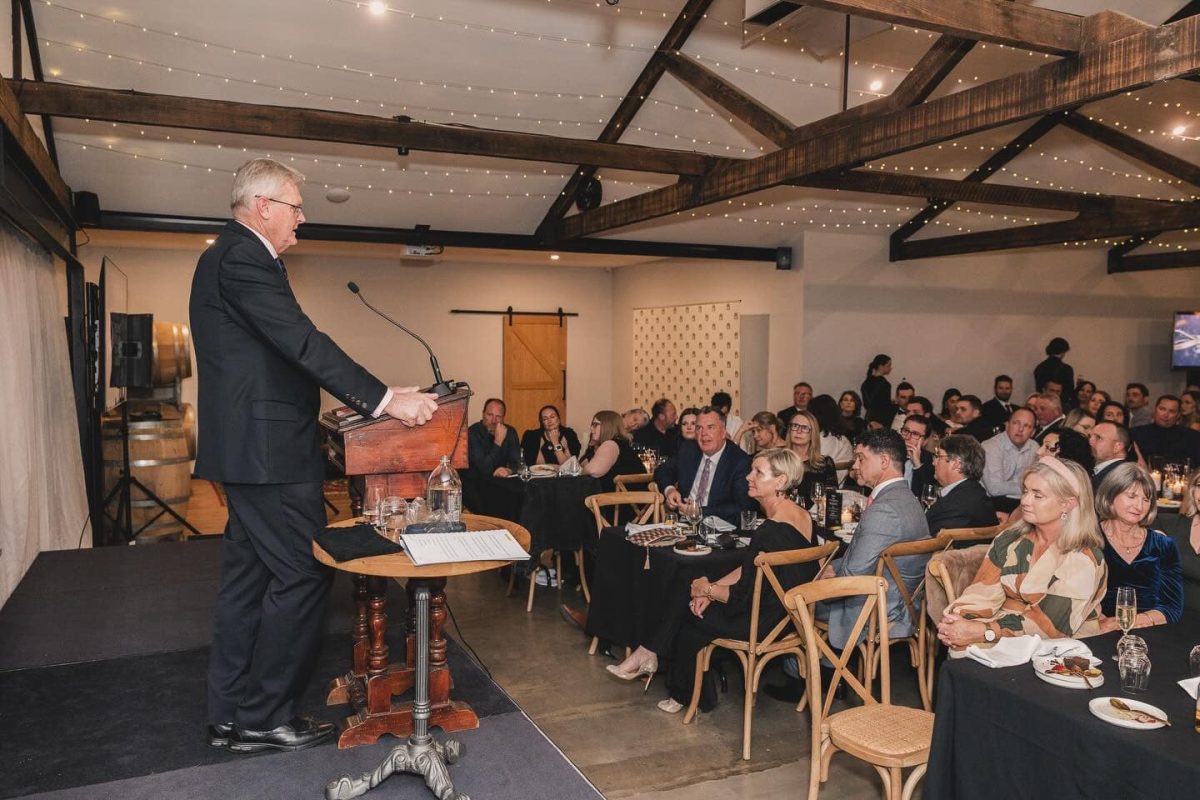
(449, 548)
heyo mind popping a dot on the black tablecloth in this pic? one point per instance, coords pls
(551, 509)
(1005, 733)
(630, 602)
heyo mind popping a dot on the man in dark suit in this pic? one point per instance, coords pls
(1110, 443)
(1048, 411)
(801, 394)
(262, 364)
(962, 501)
(968, 413)
(918, 468)
(710, 471)
(1164, 437)
(997, 410)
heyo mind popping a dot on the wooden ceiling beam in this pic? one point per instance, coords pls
(1026, 27)
(1083, 228)
(1135, 148)
(13, 117)
(1127, 64)
(729, 97)
(1180, 259)
(193, 113)
(689, 17)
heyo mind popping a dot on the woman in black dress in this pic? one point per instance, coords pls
(721, 608)
(877, 391)
(609, 452)
(803, 436)
(551, 442)
(853, 424)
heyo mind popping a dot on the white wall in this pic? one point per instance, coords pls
(960, 320)
(468, 347)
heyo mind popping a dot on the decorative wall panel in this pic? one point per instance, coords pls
(685, 353)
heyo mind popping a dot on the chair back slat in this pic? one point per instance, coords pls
(887, 564)
(970, 534)
(764, 564)
(646, 506)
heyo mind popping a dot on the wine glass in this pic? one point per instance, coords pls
(929, 495)
(1126, 611)
(692, 514)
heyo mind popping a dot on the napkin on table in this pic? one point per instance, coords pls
(718, 524)
(1008, 651)
(1061, 648)
(1190, 685)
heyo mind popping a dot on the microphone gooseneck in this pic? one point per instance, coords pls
(440, 387)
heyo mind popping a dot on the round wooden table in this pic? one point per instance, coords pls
(373, 680)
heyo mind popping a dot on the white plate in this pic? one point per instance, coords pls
(1102, 708)
(1042, 663)
(702, 550)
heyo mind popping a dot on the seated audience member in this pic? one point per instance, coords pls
(921, 406)
(950, 398)
(760, 433)
(1068, 445)
(803, 436)
(1096, 402)
(687, 423)
(997, 410)
(917, 468)
(904, 393)
(1084, 390)
(1137, 401)
(635, 418)
(721, 608)
(723, 402)
(851, 407)
(609, 452)
(833, 444)
(1164, 437)
(1079, 421)
(969, 416)
(1055, 389)
(1053, 368)
(1190, 509)
(492, 450)
(1048, 412)
(1137, 555)
(1112, 411)
(1008, 453)
(710, 472)
(877, 391)
(1189, 410)
(1110, 443)
(551, 442)
(660, 435)
(801, 394)
(1044, 574)
(962, 501)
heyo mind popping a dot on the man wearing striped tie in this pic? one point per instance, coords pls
(710, 472)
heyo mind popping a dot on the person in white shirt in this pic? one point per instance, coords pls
(1008, 454)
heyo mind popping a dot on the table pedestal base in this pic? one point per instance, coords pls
(429, 760)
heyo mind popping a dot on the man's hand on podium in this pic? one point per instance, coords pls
(411, 406)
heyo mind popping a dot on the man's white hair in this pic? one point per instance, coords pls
(261, 176)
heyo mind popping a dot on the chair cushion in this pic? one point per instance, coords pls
(888, 735)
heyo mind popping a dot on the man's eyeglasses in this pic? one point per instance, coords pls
(909, 433)
(797, 426)
(940, 454)
(295, 208)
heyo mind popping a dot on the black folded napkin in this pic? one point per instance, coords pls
(359, 541)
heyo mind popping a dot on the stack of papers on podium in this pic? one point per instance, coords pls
(453, 548)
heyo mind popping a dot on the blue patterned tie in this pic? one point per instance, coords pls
(282, 268)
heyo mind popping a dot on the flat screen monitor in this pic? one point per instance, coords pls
(1185, 340)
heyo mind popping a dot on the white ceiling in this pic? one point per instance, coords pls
(547, 66)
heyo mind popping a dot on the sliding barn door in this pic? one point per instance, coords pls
(535, 368)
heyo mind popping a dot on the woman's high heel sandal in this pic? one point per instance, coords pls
(647, 668)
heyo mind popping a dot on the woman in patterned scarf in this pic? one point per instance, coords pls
(1043, 575)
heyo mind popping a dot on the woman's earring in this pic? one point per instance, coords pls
(1063, 516)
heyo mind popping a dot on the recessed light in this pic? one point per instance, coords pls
(1179, 130)
(554, 256)
(337, 195)
(876, 85)
(377, 7)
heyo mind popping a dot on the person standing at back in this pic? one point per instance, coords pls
(1053, 368)
(261, 365)
(877, 391)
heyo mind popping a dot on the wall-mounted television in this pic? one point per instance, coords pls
(1185, 340)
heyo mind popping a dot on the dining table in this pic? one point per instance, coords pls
(550, 507)
(1005, 732)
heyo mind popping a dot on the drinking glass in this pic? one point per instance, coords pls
(929, 495)
(748, 520)
(692, 514)
(1135, 671)
(371, 503)
(1194, 662)
(1126, 608)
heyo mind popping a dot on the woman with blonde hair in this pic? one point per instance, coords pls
(1043, 575)
(760, 432)
(1190, 509)
(803, 437)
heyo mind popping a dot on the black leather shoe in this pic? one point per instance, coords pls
(218, 734)
(789, 692)
(298, 734)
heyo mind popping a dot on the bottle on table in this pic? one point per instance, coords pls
(443, 494)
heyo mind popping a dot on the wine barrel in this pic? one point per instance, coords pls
(172, 353)
(159, 458)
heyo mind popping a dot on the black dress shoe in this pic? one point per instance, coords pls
(576, 618)
(219, 733)
(298, 734)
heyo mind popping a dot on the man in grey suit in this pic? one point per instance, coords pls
(892, 515)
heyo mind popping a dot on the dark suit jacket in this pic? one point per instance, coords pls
(1056, 425)
(980, 428)
(966, 506)
(262, 364)
(727, 492)
(922, 477)
(995, 412)
(1102, 474)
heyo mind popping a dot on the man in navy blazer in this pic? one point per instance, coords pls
(710, 470)
(962, 502)
(262, 365)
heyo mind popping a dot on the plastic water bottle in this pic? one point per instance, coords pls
(444, 492)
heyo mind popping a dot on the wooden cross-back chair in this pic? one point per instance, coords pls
(756, 652)
(890, 738)
(606, 508)
(641, 481)
(947, 574)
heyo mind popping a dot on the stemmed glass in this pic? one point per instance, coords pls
(692, 514)
(1126, 612)
(929, 495)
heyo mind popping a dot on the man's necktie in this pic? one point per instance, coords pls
(282, 268)
(702, 486)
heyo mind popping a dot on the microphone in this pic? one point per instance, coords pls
(441, 387)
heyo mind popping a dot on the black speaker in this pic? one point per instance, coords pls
(783, 258)
(87, 209)
(132, 351)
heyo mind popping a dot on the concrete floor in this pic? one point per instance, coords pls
(614, 733)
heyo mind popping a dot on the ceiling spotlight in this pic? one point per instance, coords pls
(612, 2)
(377, 7)
(876, 85)
(1179, 130)
(337, 195)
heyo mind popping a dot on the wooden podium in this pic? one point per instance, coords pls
(390, 454)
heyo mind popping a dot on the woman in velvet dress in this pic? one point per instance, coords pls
(721, 608)
(1136, 554)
